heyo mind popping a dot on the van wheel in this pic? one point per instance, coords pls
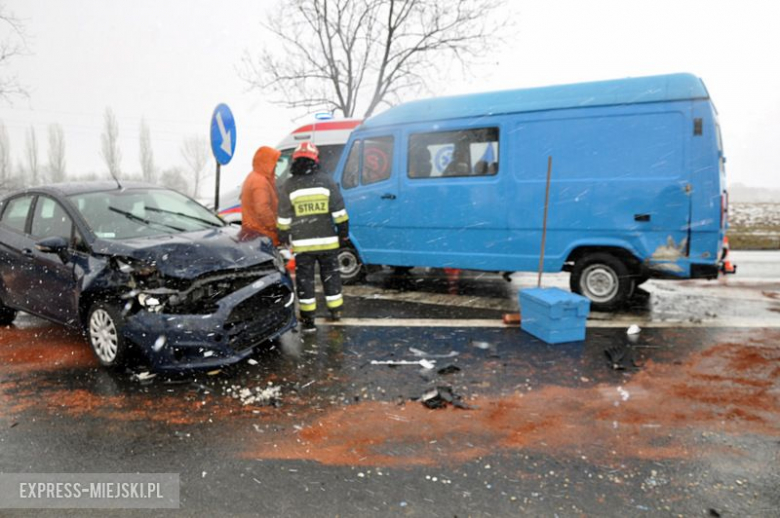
(104, 332)
(7, 315)
(602, 278)
(352, 269)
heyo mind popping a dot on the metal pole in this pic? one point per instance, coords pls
(544, 223)
(216, 191)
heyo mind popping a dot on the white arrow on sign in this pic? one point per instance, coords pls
(226, 139)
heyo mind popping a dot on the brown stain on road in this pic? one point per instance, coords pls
(659, 413)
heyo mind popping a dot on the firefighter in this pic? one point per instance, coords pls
(313, 218)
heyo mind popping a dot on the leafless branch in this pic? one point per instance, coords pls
(350, 54)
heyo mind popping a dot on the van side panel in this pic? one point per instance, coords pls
(618, 177)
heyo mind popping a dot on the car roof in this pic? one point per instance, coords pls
(70, 188)
(669, 87)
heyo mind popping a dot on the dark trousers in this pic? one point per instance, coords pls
(329, 275)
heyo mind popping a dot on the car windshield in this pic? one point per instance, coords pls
(124, 214)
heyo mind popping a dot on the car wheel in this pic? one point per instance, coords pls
(7, 315)
(352, 269)
(104, 331)
(602, 278)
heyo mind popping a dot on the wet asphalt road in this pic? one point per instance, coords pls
(684, 419)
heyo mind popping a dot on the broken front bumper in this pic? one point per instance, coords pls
(245, 318)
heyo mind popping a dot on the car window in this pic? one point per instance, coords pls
(472, 152)
(15, 213)
(377, 160)
(50, 220)
(352, 167)
(133, 213)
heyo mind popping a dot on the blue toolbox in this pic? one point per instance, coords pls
(553, 315)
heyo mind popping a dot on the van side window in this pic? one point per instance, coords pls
(352, 168)
(377, 160)
(471, 152)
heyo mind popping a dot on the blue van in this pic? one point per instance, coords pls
(637, 191)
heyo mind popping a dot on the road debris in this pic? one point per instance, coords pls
(422, 354)
(143, 376)
(252, 361)
(448, 369)
(425, 364)
(441, 396)
(269, 396)
(633, 330)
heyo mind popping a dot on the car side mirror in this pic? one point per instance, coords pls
(52, 245)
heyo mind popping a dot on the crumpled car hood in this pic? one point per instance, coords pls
(192, 254)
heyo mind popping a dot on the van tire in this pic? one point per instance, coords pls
(602, 278)
(352, 269)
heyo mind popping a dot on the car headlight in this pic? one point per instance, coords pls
(136, 267)
(279, 262)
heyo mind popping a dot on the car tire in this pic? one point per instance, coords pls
(104, 331)
(352, 269)
(7, 315)
(602, 278)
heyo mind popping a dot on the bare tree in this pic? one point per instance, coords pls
(346, 54)
(147, 156)
(174, 178)
(6, 168)
(195, 152)
(110, 144)
(56, 153)
(12, 45)
(31, 155)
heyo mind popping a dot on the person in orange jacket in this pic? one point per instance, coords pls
(259, 201)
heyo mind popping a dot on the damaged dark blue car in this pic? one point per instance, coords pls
(141, 267)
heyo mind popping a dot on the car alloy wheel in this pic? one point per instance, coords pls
(104, 336)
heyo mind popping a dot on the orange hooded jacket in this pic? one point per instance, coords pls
(259, 201)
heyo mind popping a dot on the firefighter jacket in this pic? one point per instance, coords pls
(312, 213)
(258, 194)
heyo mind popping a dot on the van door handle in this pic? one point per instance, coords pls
(642, 217)
(388, 196)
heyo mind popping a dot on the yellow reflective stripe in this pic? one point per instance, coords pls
(309, 307)
(310, 197)
(340, 219)
(335, 303)
(315, 248)
(281, 226)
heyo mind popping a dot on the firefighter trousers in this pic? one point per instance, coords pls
(329, 275)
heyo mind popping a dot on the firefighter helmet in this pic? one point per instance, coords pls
(306, 149)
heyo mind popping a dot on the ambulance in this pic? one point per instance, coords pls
(329, 136)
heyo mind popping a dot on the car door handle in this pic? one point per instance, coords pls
(642, 217)
(388, 196)
(27, 252)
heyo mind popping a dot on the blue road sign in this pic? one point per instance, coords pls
(223, 134)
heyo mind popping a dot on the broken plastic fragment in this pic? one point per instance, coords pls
(422, 354)
(633, 330)
(143, 376)
(425, 364)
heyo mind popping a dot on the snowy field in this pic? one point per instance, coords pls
(754, 225)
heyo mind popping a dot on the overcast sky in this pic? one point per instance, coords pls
(173, 61)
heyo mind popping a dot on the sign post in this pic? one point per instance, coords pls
(223, 141)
